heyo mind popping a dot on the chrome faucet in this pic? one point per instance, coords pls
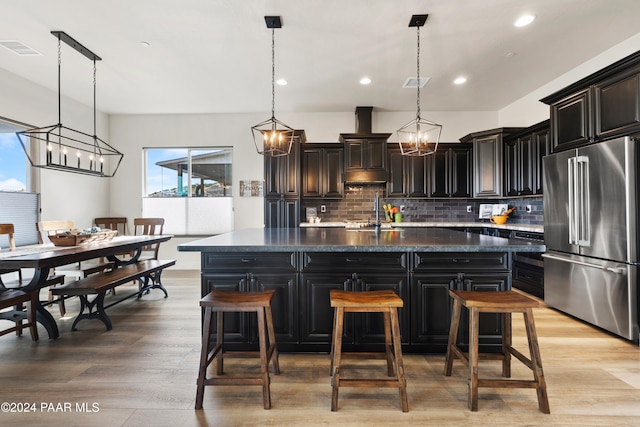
(376, 207)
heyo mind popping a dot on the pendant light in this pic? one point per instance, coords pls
(272, 137)
(64, 149)
(419, 137)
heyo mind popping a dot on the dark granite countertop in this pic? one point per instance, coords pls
(413, 239)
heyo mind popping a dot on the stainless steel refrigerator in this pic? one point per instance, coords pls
(591, 234)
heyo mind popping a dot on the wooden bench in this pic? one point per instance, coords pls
(146, 272)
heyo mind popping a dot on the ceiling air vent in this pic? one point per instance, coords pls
(19, 48)
(412, 82)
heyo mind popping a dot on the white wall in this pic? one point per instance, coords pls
(528, 110)
(64, 195)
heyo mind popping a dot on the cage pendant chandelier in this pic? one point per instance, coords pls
(419, 137)
(61, 148)
(272, 137)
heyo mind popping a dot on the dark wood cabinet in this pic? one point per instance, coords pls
(488, 160)
(407, 175)
(571, 121)
(322, 171)
(283, 182)
(433, 275)
(617, 105)
(255, 272)
(451, 171)
(281, 212)
(322, 272)
(522, 158)
(365, 157)
(445, 173)
(603, 105)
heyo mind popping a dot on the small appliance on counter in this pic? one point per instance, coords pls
(312, 215)
(486, 211)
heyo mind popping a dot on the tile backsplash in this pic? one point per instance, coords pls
(357, 205)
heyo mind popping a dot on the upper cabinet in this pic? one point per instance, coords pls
(446, 173)
(322, 170)
(601, 106)
(522, 158)
(365, 157)
(487, 160)
(451, 171)
(282, 174)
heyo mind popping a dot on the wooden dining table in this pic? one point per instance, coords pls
(46, 257)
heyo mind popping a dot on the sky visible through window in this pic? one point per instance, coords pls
(13, 163)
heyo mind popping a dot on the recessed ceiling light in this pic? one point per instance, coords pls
(145, 44)
(460, 80)
(524, 20)
(365, 81)
(281, 82)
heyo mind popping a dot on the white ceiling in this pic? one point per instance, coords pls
(210, 56)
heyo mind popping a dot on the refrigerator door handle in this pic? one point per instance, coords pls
(616, 270)
(572, 196)
(584, 203)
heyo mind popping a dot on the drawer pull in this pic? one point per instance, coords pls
(248, 259)
(354, 259)
(461, 261)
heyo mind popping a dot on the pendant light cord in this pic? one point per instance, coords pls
(418, 72)
(59, 66)
(273, 73)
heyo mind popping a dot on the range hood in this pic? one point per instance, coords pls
(359, 150)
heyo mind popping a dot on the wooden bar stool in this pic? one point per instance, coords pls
(230, 301)
(386, 302)
(504, 302)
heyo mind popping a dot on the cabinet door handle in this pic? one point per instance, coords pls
(354, 259)
(248, 260)
(461, 261)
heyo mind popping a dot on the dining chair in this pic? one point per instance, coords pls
(52, 280)
(8, 230)
(149, 226)
(14, 299)
(112, 223)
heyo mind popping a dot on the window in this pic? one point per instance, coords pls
(190, 188)
(14, 166)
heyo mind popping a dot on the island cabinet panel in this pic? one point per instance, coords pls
(246, 272)
(360, 272)
(434, 274)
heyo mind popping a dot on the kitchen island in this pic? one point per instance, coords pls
(303, 264)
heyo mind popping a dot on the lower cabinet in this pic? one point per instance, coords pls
(316, 321)
(243, 327)
(302, 310)
(281, 212)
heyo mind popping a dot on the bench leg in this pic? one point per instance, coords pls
(92, 310)
(152, 281)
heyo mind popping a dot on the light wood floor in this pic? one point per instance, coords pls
(143, 373)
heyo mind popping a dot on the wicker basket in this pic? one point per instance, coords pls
(64, 239)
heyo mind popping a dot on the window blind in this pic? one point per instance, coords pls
(21, 210)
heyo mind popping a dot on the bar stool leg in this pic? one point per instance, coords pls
(388, 345)
(453, 337)
(272, 340)
(473, 358)
(506, 345)
(337, 349)
(333, 341)
(204, 356)
(220, 342)
(264, 360)
(536, 362)
(402, 384)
